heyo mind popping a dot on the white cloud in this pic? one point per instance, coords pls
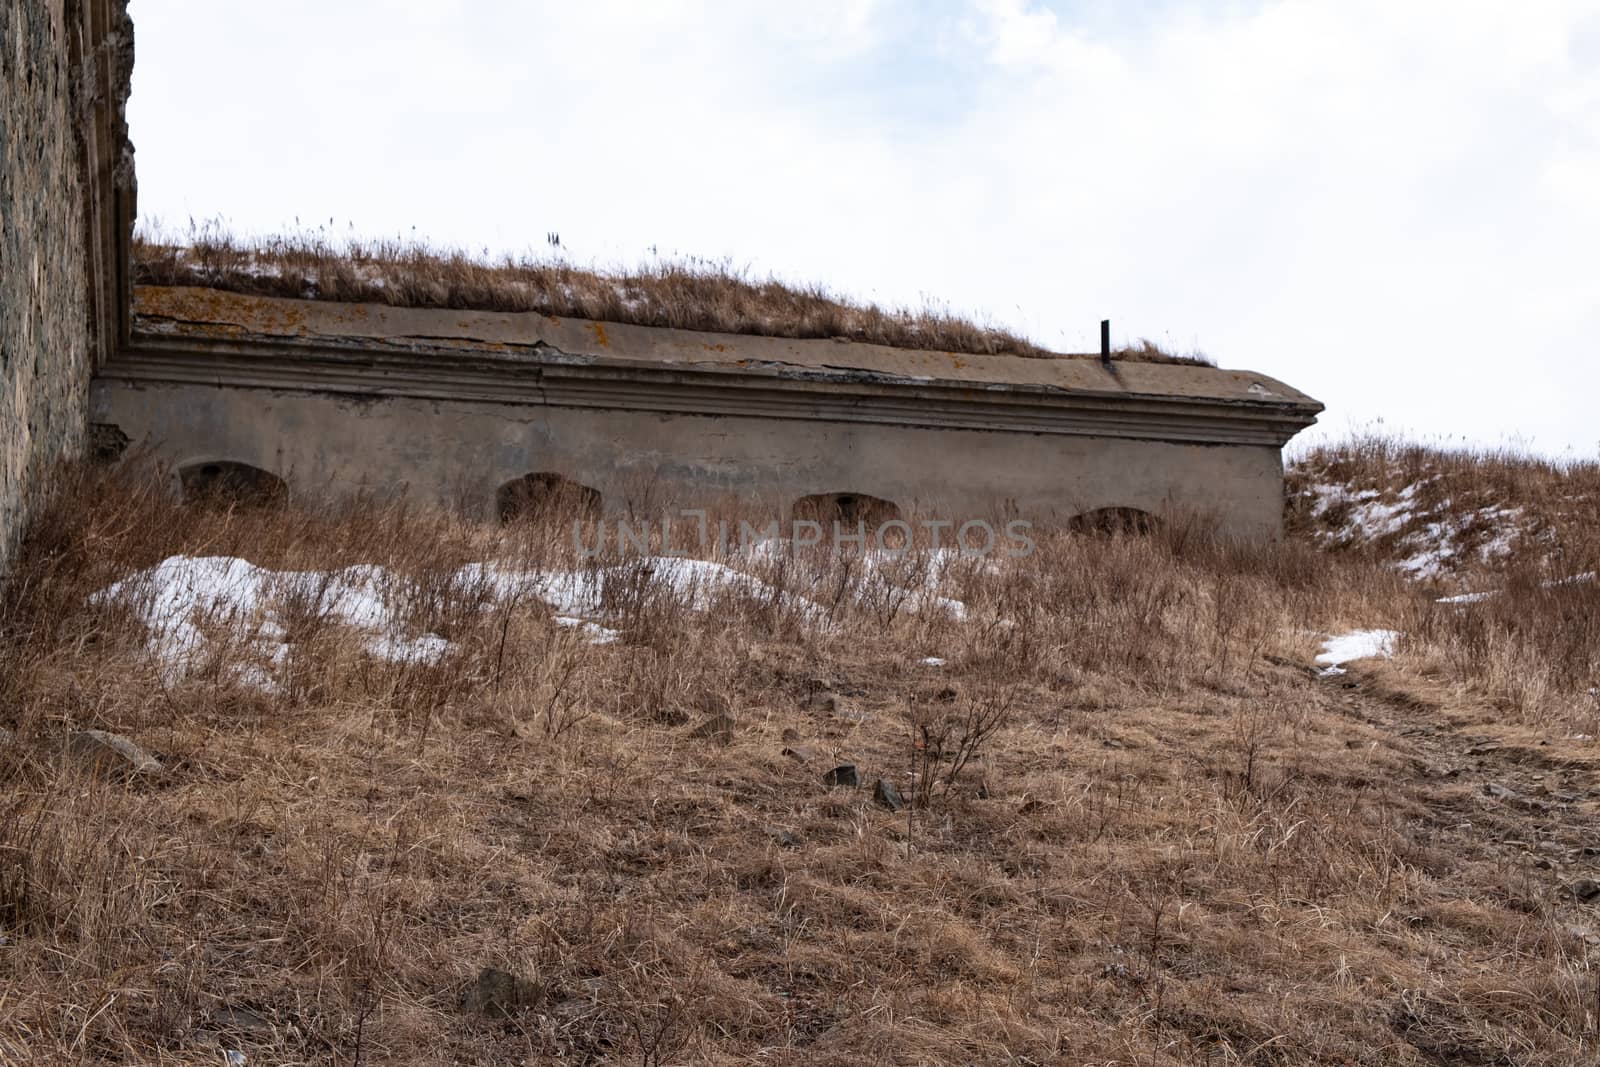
(1388, 205)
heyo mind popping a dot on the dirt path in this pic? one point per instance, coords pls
(1493, 791)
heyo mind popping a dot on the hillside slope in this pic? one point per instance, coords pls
(435, 793)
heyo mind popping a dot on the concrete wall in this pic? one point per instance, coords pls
(64, 71)
(457, 454)
(45, 356)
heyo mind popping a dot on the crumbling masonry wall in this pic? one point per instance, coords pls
(64, 72)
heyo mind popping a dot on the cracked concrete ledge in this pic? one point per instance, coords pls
(205, 335)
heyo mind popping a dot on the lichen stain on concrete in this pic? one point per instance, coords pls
(223, 313)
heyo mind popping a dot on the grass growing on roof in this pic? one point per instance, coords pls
(688, 295)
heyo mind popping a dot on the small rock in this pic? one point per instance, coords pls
(1111, 742)
(1583, 933)
(110, 753)
(841, 707)
(844, 774)
(799, 752)
(1584, 890)
(234, 1057)
(6, 736)
(884, 793)
(786, 838)
(500, 993)
(1498, 791)
(240, 1020)
(718, 728)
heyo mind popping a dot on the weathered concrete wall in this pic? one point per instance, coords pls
(64, 70)
(45, 358)
(450, 406)
(457, 454)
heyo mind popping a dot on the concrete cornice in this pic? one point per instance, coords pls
(208, 337)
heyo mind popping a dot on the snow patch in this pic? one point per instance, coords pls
(187, 603)
(1357, 644)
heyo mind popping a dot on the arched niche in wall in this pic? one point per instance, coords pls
(847, 509)
(1108, 521)
(225, 481)
(545, 495)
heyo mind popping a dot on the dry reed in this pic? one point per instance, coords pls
(1173, 842)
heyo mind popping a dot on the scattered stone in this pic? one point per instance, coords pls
(500, 993)
(1498, 791)
(718, 728)
(844, 774)
(821, 696)
(1111, 742)
(1583, 933)
(799, 752)
(841, 707)
(108, 753)
(884, 793)
(241, 1020)
(1585, 890)
(786, 838)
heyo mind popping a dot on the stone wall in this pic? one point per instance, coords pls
(64, 69)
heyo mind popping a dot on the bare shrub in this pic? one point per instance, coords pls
(948, 734)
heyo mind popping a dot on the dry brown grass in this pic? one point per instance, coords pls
(689, 295)
(1177, 845)
(1522, 622)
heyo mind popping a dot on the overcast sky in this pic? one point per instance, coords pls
(1393, 205)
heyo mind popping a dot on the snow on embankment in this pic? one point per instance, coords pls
(1443, 515)
(1425, 535)
(241, 620)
